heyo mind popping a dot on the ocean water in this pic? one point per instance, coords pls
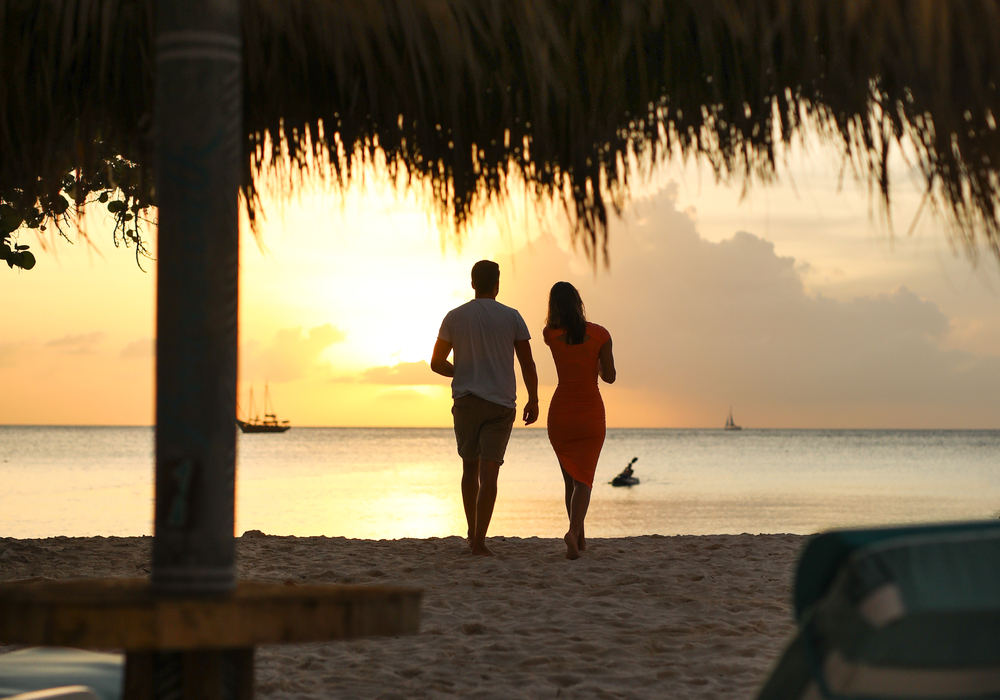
(392, 483)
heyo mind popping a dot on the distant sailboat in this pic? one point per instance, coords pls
(730, 423)
(268, 424)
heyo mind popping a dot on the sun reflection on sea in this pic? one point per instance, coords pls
(370, 504)
(390, 483)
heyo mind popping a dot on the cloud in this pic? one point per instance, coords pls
(403, 395)
(291, 355)
(402, 374)
(699, 325)
(144, 348)
(83, 344)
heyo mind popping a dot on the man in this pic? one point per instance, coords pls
(485, 336)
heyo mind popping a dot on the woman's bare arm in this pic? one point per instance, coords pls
(606, 363)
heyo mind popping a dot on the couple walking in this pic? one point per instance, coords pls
(486, 336)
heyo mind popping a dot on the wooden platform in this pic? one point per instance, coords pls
(196, 648)
(126, 614)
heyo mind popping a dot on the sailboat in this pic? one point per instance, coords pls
(730, 423)
(268, 424)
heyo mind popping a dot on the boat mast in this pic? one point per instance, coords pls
(267, 403)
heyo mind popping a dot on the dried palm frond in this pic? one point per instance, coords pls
(461, 94)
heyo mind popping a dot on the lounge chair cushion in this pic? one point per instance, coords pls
(905, 613)
(66, 692)
(41, 668)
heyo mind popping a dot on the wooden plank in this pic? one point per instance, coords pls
(126, 614)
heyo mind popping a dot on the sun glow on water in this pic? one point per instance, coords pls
(393, 483)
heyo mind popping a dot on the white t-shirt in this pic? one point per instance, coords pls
(483, 332)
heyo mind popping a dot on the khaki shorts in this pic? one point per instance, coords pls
(482, 428)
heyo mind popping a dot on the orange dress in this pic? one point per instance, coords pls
(576, 414)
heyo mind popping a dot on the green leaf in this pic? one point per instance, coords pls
(27, 260)
(60, 205)
(116, 206)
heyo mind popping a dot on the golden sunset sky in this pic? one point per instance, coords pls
(792, 304)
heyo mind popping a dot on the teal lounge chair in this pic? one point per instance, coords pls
(28, 671)
(900, 613)
(68, 692)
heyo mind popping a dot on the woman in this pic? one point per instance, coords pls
(582, 353)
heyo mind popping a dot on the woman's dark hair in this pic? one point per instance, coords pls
(566, 311)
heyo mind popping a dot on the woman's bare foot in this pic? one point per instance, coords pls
(572, 548)
(581, 543)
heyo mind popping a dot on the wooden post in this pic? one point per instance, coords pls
(198, 121)
(210, 674)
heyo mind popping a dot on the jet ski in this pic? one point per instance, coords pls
(626, 478)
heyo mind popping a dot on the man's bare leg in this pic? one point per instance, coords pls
(488, 473)
(470, 494)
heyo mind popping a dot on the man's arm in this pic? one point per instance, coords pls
(439, 359)
(522, 348)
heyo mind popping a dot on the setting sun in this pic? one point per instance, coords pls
(342, 299)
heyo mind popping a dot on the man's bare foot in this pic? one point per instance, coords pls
(482, 551)
(572, 548)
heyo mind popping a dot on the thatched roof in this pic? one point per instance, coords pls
(463, 93)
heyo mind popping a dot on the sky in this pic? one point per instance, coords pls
(793, 304)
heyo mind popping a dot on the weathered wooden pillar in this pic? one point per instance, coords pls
(208, 674)
(198, 141)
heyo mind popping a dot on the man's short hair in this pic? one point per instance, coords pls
(485, 276)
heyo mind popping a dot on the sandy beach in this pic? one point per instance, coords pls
(640, 617)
